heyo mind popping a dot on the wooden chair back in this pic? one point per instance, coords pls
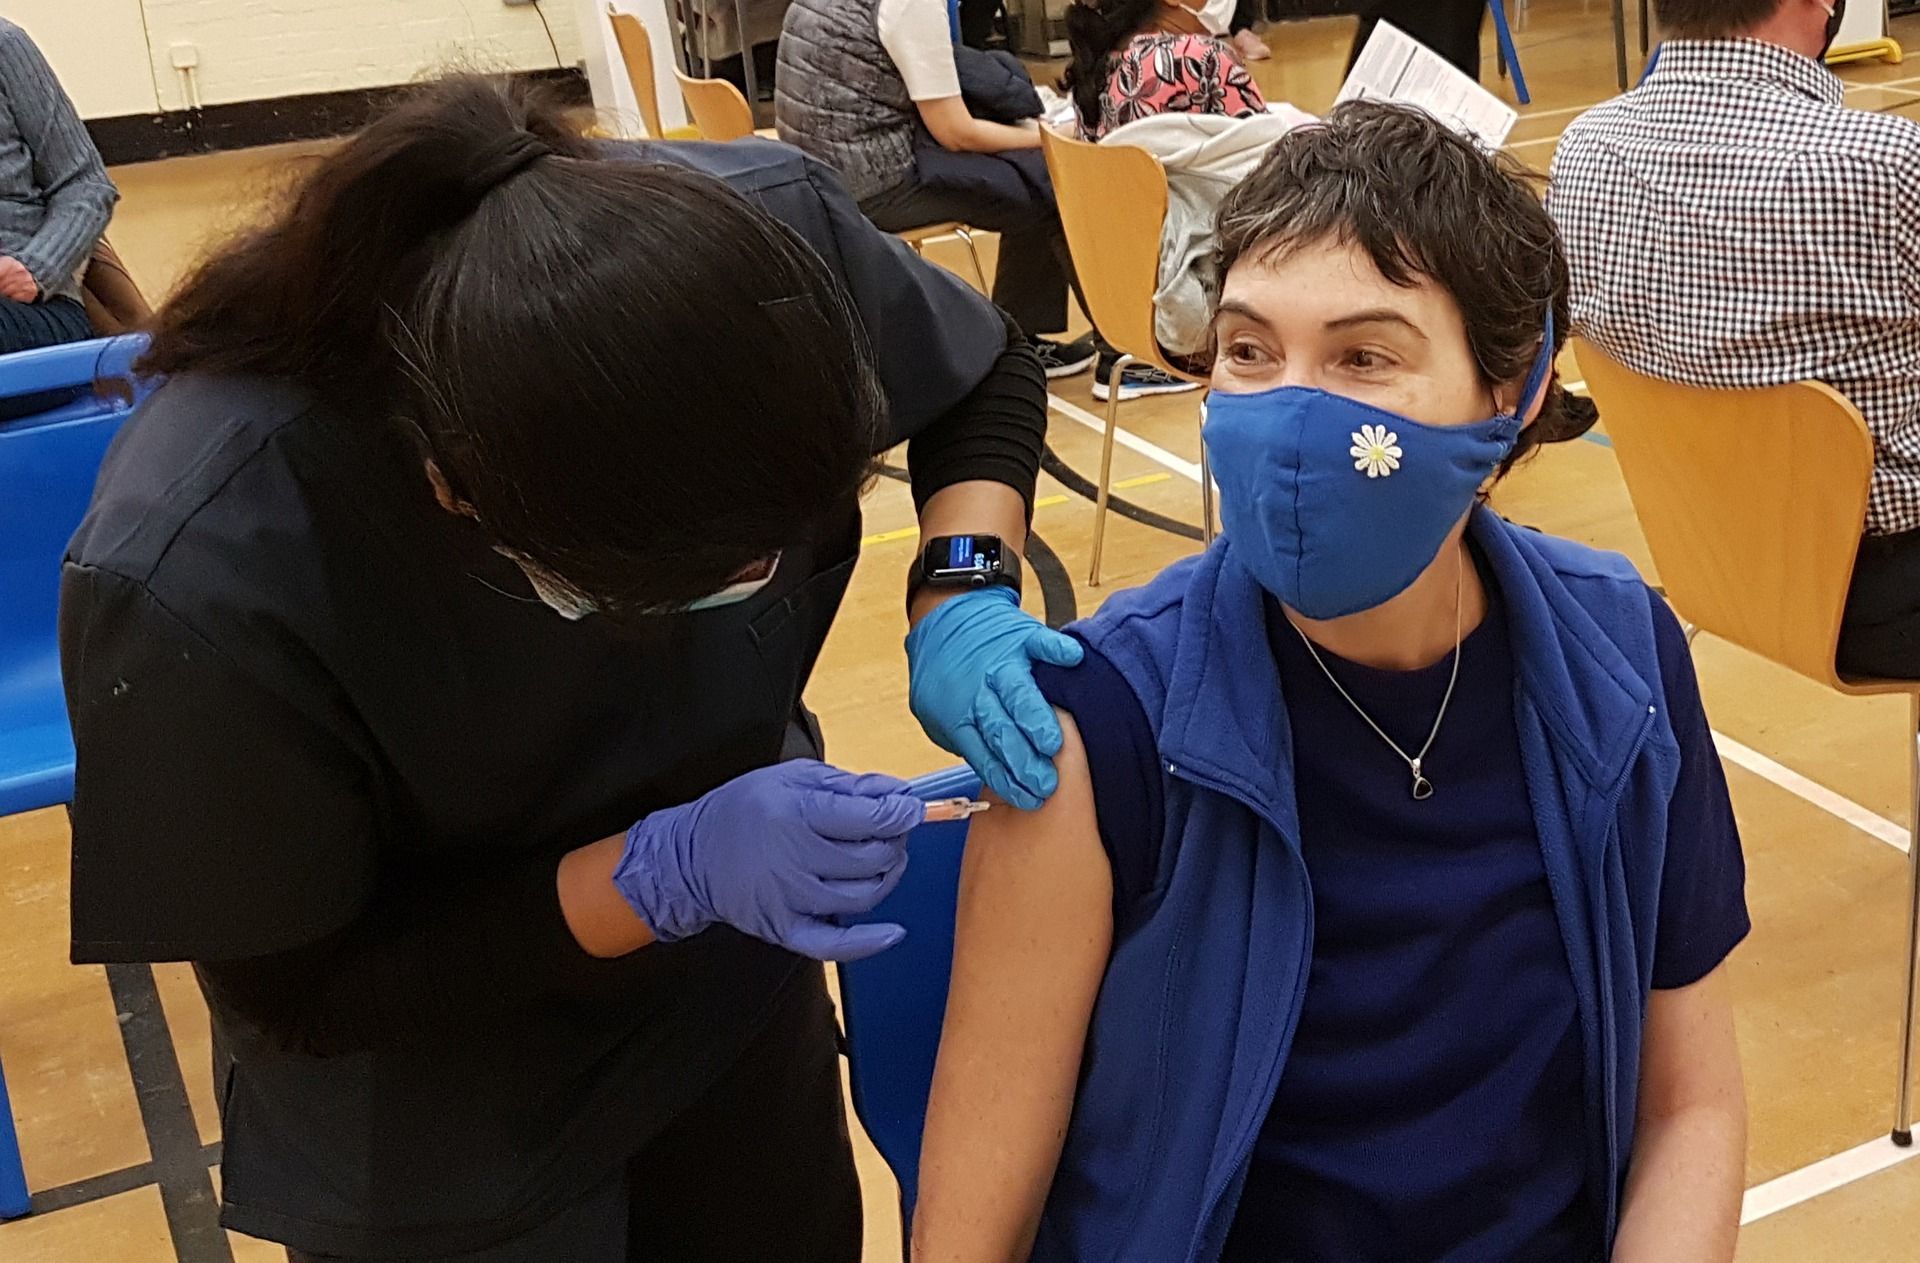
(1752, 501)
(636, 50)
(717, 107)
(1113, 204)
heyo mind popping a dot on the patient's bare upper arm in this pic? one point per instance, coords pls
(1035, 928)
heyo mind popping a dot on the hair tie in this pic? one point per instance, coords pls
(501, 161)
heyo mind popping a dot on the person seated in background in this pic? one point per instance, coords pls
(1156, 75)
(1133, 59)
(55, 200)
(1731, 223)
(1381, 909)
(871, 88)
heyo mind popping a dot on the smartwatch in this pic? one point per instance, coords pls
(958, 562)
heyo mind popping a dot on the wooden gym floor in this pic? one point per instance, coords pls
(109, 1074)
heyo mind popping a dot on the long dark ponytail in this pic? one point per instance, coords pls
(1096, 29)
(562, 335)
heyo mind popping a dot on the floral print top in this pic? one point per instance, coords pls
(1159, 73)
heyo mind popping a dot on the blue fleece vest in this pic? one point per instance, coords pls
(1194, 1019)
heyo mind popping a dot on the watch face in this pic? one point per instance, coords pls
(964, 557)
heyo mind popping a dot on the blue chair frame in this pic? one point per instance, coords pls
(48, 461)
(893, 1004)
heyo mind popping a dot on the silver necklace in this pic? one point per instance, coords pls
(1422, 787)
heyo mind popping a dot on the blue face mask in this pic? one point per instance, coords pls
(1336, 506)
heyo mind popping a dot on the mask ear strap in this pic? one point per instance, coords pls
(1542, 369)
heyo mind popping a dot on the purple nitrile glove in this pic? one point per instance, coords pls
(776, 853)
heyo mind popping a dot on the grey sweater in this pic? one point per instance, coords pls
(55, 197)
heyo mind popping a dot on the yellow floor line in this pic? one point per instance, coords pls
(1044, 502)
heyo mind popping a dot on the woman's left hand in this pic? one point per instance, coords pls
(970, 666)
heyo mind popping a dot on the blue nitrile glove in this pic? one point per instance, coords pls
(970, 672)
(776, 853)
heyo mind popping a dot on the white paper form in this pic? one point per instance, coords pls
(1398, 68)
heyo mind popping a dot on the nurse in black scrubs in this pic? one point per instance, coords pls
(499, 500)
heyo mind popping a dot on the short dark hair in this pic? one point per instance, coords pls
(1422, 202)
(1712, 19)
(636, 379)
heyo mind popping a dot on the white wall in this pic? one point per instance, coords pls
(116, 56)
(97, 47)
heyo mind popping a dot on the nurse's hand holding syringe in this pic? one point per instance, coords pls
(778, 853)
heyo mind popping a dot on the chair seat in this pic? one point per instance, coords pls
(1870, 686)
(36, 743)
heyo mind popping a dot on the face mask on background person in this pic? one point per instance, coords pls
(1337, 506)
(1217, 15)
(1836, 14)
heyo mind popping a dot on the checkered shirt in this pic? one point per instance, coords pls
(1730, 223)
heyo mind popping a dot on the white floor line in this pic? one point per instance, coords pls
(1565, 109)
(1542, 140)
(1824, 1176)
(1834, 804)
(1190, 470)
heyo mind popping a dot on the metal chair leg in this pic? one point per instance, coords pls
(1106, 467)
(1646, 33)
(1508, 53)
(1620, 43)
(1903, 1098)
(14, 1201)
(973, 252)
(748, 74)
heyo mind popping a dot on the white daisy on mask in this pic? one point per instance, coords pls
(1376, 450)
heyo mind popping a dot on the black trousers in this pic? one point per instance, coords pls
(759, 1168)
(1030, 284)
(1880, 632)
(29, 326)
(976, 21)
(1449, 27)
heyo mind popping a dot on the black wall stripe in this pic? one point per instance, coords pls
(244, 124)
(179, 1162)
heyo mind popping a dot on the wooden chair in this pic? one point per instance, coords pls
(1113, 204)
(918, 238)
(1753, 503)
(717, 108)
(636, 51)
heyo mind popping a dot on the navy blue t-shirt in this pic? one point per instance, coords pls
(1431, 1105)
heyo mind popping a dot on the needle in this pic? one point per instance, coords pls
(943, 809)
